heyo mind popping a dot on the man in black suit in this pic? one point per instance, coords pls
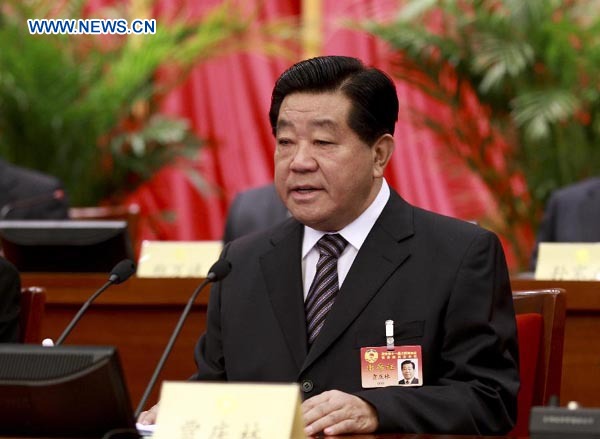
(10, 299)
(442, 281)
(407, 368)
(28, 194)
(252, 211)
(572, 214)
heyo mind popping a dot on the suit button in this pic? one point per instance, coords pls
(307, 386)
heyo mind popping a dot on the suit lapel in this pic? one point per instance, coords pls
(384, 250)
(281, 269)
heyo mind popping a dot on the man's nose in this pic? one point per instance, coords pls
(303, 159)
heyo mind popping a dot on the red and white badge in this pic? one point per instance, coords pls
(381, 367)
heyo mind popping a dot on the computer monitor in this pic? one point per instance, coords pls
(65, 245)
(62, 391)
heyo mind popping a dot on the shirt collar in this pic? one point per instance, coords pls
(356, 232)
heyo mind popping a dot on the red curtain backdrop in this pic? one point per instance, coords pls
(227, 100)
(421, 170)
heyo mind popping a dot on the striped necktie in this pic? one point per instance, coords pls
(325, 286)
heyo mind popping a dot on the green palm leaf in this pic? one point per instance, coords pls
(66, 101)
(533, 66)
(537, 112)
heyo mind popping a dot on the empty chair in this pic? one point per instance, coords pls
(541, 331)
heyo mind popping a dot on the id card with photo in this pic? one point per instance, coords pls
(380, 367)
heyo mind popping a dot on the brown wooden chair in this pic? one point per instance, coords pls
(33, 301)
(541, 331)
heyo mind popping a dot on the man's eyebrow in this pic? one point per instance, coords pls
(283, 123)
(324, 123)
(318, 123)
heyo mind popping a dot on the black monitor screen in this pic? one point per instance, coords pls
(74, 391)
(65, 246)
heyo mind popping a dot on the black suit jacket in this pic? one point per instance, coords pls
(445, 284)
(10, 299)
(28, 194)
(254, 210)
(413, 381)
(572, 214)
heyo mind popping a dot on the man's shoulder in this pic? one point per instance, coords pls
(445, 226)
(258, 197)
(577, 190)
(261, 191)
(261, 241)
(402, 220)
(399, 206)
(23, 179)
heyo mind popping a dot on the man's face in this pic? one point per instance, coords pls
(408, 372)
(324, 173)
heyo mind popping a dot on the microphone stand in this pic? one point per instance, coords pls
(120, 273)
(85, 306)
(170, 344)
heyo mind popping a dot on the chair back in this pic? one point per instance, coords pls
(540, 318)
(33, 301)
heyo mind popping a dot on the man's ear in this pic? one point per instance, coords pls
(382, 151)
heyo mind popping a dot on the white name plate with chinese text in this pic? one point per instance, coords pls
(177, 258)
(202, 410)
(568, 261)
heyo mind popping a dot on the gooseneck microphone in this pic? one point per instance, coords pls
(218, 271)
(120, 273)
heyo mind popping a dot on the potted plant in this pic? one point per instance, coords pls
(85, 107)
(521, 81)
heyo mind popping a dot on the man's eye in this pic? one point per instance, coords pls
(284, 142)
(323, 142)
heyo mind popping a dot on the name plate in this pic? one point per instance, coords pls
(568, 261)
(177, 258)
(199, 410)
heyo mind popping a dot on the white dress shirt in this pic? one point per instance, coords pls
(355, 233)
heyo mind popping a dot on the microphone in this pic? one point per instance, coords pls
(120, 273)
(33, 201)
(218, 271)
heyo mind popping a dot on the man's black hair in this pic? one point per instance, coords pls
(373, 95)
(407, 362)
